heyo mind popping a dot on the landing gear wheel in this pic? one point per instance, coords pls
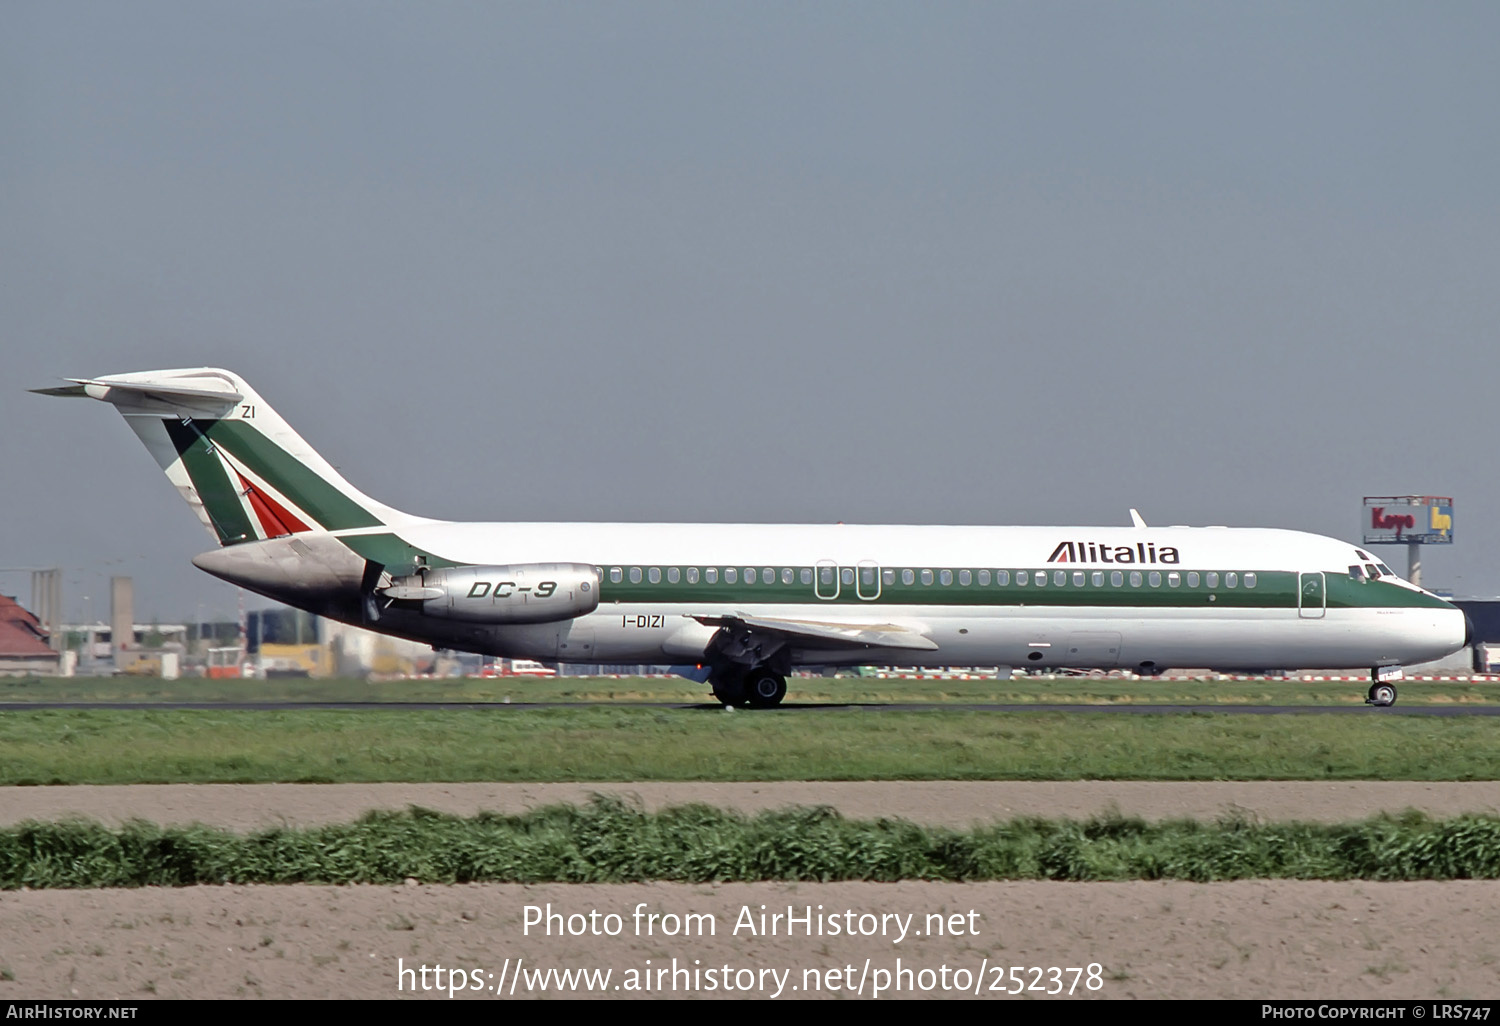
(765, 689)
(1382, 694)
(729, 688)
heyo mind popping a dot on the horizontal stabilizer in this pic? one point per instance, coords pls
(873, 635)
(65, 391)
(241, 468)
(169, 390)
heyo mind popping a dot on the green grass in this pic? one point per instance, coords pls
(634, 744)
(610, 842)
(1268, 691)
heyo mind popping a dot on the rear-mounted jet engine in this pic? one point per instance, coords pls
(524, 593)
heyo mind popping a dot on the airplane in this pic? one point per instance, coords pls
(739, 606)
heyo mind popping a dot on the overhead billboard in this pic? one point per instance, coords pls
(1408, 520)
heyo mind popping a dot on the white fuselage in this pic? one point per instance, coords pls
(1092, 611)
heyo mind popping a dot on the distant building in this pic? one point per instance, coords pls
(23, 643)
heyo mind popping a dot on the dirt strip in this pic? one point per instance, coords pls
(941, 803)
(1288, 939)
(1250, 939)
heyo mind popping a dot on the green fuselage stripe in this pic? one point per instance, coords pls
(392, 552)
(1273, 590)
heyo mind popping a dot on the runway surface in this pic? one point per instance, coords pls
(788, 707)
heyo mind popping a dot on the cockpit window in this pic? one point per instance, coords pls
(1385, 570)
(1362, 554)
(1370, 569)
(1357, 572)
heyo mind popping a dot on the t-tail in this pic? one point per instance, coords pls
(243, 470)
(288, 525)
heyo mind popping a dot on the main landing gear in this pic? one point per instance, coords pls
(765, 688)
(748, 668)
(758, 688)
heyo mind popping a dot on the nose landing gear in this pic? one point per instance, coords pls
(1381, 694)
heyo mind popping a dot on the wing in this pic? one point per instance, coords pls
(824, 633)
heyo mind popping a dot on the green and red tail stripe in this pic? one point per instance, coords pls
(220, 458)
(274, 518)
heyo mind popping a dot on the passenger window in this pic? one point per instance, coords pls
(984, 578)
(654, 575)
(749, 575)
(635, 575)
(926, 576)
(806, 576)
(1117, 578)
(767, 575)
(673, 575)
(1135, 578)
(867, 575)
(1059, 577)
(731, 575)
(945, 577)
(1041, 578)
(965, 578)
(1173, 579)
(711, 575)
(787, 577)
(614, 575)
(908, 577)
(1078, 578)
(1098, 578)
(1154, 578)
(1211, 579)
(692, 575)
(1002, 577)
(1249, 580)
(1021, 577)
(847, 575)
(1231, 580)
(887, 577)
(825, 575)
(1192, 578)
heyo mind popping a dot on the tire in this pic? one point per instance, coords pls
(729, 689)
(1382, 694)
(764, 689)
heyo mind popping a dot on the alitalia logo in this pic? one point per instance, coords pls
(1093, 552)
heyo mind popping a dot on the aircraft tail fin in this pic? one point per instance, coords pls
(243, 470)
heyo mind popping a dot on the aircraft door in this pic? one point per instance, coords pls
(826, 579)
(867, 584)
(1311, 595)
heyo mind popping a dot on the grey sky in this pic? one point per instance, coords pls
(908, 263)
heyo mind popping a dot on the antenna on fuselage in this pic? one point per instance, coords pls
(1135, 519)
